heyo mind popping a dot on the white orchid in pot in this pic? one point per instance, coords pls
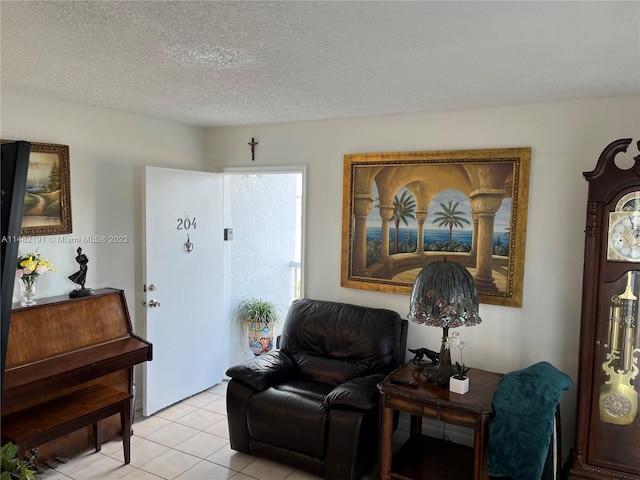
(260, 318)
(459, 383)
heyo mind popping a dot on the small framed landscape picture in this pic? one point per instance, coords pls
(47, 202)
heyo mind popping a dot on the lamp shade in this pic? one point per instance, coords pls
(444, 295)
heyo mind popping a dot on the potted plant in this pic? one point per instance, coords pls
(459, 383)
(14, 469)
(259, 317)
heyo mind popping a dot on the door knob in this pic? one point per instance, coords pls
(154, 304)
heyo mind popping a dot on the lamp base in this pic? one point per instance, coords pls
(443, 371)
(439, 374)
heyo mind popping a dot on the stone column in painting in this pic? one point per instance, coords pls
(421, 216)
(361, 208)
(386, 212)
(485, 204)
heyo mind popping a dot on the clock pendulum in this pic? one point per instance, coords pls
(618, 399)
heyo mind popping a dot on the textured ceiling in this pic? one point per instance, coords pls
(213, 63)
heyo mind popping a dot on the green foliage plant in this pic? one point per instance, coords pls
(256, 310)
(14, 469)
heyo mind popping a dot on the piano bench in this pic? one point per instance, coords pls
(47, 421)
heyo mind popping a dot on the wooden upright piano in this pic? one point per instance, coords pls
(62, 345)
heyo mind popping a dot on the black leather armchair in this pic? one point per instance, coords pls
(313, 404)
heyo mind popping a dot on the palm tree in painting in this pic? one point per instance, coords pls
(451, 217)
(403, 209)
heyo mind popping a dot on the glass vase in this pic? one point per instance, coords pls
(28, 290)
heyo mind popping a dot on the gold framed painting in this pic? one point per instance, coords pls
(47, 202)
(404, 210)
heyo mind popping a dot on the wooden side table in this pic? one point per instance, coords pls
(425, 457)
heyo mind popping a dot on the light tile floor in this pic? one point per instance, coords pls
(187, 441)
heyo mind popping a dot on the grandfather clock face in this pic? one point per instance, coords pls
(624, 230)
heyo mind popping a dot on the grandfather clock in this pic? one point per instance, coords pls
(608, 422)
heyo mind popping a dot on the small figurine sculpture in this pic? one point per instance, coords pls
(80, 277)
(420, 353)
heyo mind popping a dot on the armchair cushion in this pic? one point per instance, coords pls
(285, 416)
(334, 342)
(361, 393)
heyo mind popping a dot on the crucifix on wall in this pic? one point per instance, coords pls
(253, 144)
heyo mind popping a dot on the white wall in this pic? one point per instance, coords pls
(566, 139)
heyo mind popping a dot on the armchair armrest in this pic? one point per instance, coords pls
(360, 392)
(265, 370)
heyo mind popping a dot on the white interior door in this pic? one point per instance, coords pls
(184, 297)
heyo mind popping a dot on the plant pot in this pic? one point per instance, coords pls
(261, 337)
(457, 385)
